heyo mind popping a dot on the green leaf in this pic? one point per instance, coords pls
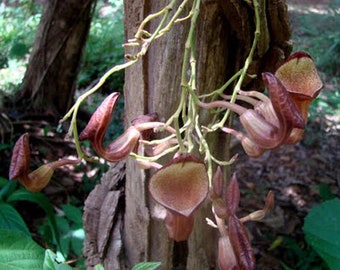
(99, 267)
(51, 263)
(18, 50)
(3, 181)
(322, 231)
(77, 241)
(146, 266)
(73, 213)
(7, 188)
(10, 219)
(19, 252)
(44, 203)
(325, 192)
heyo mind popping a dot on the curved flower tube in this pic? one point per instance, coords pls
(271, 121)
(121, 147)
(178, 226)
(19, 168)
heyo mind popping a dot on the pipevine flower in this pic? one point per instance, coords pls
(122, 146)
(20, 162)
(302, 81)
(280, 118)
(180, 186)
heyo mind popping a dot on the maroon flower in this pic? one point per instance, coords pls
(180, 186)
(20, 162)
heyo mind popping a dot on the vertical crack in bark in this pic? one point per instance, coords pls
(180, 255)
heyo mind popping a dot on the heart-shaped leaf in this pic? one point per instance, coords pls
(322, 231)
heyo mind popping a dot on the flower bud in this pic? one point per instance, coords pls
(220, 208)
(250, 147)
(121, 147)
(240, 243)
(257, 215)
(20, 160)
(259, 129)
(217, 187)
(233, 195)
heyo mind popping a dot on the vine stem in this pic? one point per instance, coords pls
(132, 60)
(244, 70)
(189, 44)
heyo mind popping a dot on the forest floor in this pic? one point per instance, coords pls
(301, 176)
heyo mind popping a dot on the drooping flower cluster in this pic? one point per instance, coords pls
(182, 185)
(234, 248)
(280, 118)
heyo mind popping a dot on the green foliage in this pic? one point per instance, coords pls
(41, 200)
(146, 266)
(322, 231)
(18, 251)
(18, 24)
(10, 194)
(10, 219)
(304, 257)
(51, 262)
(70, 230)
(64, 231)
(323, 42)
(325, 192)
(104, 46)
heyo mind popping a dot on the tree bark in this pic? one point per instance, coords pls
(49, 82)
(224, 37)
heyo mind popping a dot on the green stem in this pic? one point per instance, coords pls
(74, 109)
(184, 82)
(244, 70)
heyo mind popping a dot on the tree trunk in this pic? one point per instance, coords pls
(224, 37)
(49, 82)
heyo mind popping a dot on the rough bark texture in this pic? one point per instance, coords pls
(224, 36)
(49, 82)
(103, 220)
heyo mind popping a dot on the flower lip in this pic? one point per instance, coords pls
(297, 55)
(180, 186)
(300, 76)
